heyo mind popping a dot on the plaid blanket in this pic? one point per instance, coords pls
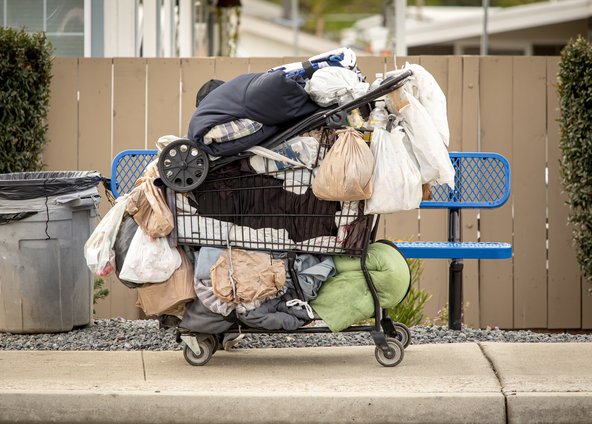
(232, 130)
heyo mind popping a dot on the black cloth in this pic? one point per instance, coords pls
(206, 89)
(269, 98)
(200, 319)
(260, 201)
(274, 314)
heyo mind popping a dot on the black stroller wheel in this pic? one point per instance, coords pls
(182, 166)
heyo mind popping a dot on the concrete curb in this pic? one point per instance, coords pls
(146, 408)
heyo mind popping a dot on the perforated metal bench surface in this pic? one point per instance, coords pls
(482, 181)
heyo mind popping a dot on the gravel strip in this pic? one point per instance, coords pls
(121, 334)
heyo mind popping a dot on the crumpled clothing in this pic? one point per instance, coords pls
(312, 272)
(274, 314)
(199, 319)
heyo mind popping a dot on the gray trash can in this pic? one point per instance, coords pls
(45, 219)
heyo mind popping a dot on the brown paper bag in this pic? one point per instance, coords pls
(150, 210)
(155, 299)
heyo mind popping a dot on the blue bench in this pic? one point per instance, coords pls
(482, 181)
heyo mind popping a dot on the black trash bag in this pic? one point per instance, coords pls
(126, 232)
(32, 185)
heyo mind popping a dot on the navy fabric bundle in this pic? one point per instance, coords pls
(269, 98)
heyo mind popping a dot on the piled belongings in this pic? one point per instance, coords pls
(272, 238)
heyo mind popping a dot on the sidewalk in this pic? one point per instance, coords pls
(452, 383)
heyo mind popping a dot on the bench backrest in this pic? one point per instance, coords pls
(127, 167)
(482, 179)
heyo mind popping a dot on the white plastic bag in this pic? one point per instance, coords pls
(149, 260)
(98, 249)
(425, 88)
(327, 85)
(431, 154)
(396, 179)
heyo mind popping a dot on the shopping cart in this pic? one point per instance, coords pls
(218, 204)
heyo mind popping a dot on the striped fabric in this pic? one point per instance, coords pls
(232, 130)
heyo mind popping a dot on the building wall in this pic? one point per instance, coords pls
(501, 104)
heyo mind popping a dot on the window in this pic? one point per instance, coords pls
(62, 21)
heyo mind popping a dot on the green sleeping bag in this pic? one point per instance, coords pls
(345, 298)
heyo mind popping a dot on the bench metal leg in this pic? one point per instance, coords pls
(455, 296)
(454, 274)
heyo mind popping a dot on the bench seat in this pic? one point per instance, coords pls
(454, 250)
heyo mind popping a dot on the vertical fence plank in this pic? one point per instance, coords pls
(129, 104)
(61, 151)
(564, 280)
(263, 64)
(495, 101)
(463, 101)
(469, 134)
(370, 66)
(433, 224)
(94, 134)
(227, 68)
(129, 132)
(162, 99)
(194, 73)
(530, 252)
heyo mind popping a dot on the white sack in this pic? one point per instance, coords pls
(327, 85)
(425, 88)
(431, 154)
(396, 179)
(98, 249)
(149, 260)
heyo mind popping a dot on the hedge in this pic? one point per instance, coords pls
(575, 98)
(25, 75)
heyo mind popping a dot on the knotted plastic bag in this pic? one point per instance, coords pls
(98, 249)
(397, 180)
(346, 171)
(149, 260)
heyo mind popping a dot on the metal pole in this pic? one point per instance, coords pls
(484, 36)
(295, 26)
(400, 16)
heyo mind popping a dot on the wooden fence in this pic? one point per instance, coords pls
(501, 104)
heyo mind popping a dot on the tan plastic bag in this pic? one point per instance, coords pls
(150, 210)
(346, 171)
(170, 296)
(255, 276)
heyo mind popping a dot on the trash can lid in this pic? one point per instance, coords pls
(30, 185)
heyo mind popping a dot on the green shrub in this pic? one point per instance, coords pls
(25, 74)
(575, 99)
(410, 310)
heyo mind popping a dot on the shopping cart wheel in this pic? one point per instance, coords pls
(403, 334)
(182, 166)
(213, 340)
(198, 359)
(393, 356)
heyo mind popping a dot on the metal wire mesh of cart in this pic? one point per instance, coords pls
(274, 210)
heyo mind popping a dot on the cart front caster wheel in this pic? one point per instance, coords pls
(182, 166)
(207, 350)
(403, 334)
(393, 356)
